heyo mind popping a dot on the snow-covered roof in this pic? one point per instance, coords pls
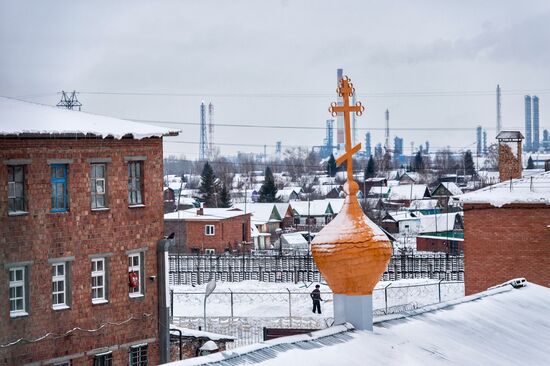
(531, 190)
(282, 208)
(401, 216)
(186, 332)
(424, 204)
(316, 207)
(379, 190)
(261, 212)
(509, 135)
(210, 214)
(296, 240)
(336, 204)
(500, 326)
(438, 223)
(408, 192)
(19, 118)
(453, 189)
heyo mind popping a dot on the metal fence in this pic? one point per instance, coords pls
(197, 269)
(230, 312)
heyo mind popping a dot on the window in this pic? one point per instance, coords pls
(99, 281)
(210, 251)
(16, 188)
(104, 359)
(60, 194)
(209, 230)
(59, 286)
(18, 303)
(135, 270)
(135, 196)
(138, 355)
(99, 185)
(66, 363)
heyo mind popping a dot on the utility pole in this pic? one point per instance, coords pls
(69, 101)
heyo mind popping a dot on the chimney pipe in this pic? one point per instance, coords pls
(509, 155)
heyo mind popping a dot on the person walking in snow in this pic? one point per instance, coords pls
(316, 297)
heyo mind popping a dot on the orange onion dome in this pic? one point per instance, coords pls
(351, 251)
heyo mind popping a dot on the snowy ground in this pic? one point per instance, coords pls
(288, 305)
(264, 299)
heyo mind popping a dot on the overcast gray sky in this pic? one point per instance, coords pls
(274, 63)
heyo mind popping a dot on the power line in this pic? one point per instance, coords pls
(372, 94)
(295, 127)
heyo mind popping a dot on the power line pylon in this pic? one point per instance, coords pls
(69, 101)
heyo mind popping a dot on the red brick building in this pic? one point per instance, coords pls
(80, 217)
(209, 230)
(507, 233)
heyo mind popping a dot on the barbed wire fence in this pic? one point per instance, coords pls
(230, 311)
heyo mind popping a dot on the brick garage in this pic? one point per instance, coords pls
(231, 229)
(505, 243)
(37, 237)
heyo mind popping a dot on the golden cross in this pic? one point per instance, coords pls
(346, 90)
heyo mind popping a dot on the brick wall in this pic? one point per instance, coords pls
(190, 234)
(41, 235)
(443, 245)
(505, 243)
(190, 347)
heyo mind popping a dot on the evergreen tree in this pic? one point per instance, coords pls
(418, 162)
(530, 163)
(469, 166)
(371, 169)
(268, 191)
(224, 198)
(207, 188)
(331, 166)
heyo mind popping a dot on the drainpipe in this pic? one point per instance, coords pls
(163, 298)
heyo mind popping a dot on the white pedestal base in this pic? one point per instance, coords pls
(356, 310)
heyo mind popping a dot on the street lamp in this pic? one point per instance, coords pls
(209, 289)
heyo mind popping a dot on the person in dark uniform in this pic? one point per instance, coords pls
(316, 297)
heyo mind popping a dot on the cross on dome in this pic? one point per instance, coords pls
(346, 90)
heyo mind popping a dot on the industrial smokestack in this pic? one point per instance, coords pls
(535, 142)
(528, 128)
(499, 117)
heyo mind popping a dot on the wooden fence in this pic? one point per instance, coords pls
(197, 269)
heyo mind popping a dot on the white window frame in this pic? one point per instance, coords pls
(96, 273)
(132, 267)
(56, 278)
(16, 284)
(209, 232)
(210, 251)
(98, 182)
(141, 361)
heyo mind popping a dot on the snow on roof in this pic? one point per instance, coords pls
(336, 204)
(402, 216)
(20, 118)
(423, 204)
(282, 208)
(509, 135)
(501, 326)
(324, 189)
(261, 212)
(379, 190)
(532, 190)
(295, 239)
(407, 192)
(208, 214)
(438, 223)
(186, 332)
(451, 187)
(316, 207)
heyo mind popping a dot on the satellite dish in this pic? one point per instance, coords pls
(210, 288)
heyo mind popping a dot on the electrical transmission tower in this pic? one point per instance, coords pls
(69, 101)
